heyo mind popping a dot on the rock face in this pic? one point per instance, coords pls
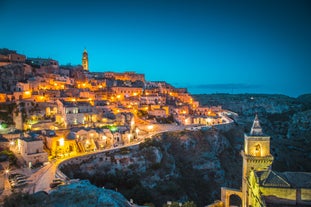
(192, 166)
(183, 166)
(300, 124)
(79, 194)
(83, 193)
(287, 120)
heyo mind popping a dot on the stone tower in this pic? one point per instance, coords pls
(256, 156)
(85, 60)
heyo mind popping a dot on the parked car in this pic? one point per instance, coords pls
(19, 184)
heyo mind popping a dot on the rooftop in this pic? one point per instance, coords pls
(284, 179)
(30, 139)
(256, 129)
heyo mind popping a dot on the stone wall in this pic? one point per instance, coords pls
(306, 194)
(282, 193)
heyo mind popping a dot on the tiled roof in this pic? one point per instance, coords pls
(256, 128)
(298, 179)
(270, 178)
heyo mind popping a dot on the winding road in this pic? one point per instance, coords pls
(40, 181)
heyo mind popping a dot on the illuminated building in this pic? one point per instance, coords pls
(261, 186)
(31, 150)
(122, 92)
(43, 65)
(60, 144)
(152, 99)
(75, 113)
(85, 60)
(126, 76)
(157, 113)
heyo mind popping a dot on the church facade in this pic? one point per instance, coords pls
(261, 186)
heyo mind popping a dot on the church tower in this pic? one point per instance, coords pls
(85, 60)
(256, 156)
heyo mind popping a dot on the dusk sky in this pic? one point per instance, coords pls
(207, 46)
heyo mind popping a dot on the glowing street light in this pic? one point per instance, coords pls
(208, 120)
(150, 127)
(129, 137)
(61, 142)
(104, 137)
(7, 171)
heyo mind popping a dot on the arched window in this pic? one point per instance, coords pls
(257, 151)
(235, 200)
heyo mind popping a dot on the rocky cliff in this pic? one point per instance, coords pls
(79, 194)
(192, 166)
(287, 120)
(183, 166)
(176, 166)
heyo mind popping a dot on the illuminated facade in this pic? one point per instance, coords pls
(126, 76)
(31, 149)
(260, 185)
(85, 60)
(256, 157)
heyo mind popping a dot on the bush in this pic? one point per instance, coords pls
(10, 155)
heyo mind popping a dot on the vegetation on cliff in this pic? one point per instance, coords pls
(176, 166)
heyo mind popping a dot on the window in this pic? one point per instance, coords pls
(257, 151)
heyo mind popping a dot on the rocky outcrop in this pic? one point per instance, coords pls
(300, 125)
(85, 194)
(285, 119)
(194, 165)
(172, 166)
(79, 194)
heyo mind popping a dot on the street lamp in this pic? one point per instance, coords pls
(61, 142)
(7, 171)
(150, 127)
(129, 137)
(208, 120)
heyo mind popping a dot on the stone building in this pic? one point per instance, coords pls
(75, 113)
(31, 149)
(261, 186)
(85, 60)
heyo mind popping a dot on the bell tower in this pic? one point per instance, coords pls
(256, 156)
(85, 60)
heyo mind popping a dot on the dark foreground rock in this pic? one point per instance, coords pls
(79, 194)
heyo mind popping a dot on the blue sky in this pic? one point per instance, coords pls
(208, 46)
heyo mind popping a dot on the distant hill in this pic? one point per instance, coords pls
(305, 99)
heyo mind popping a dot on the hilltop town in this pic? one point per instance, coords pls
(50, 111)
(61, 122)
(75, 110)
